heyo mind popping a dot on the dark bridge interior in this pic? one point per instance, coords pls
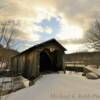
(48, 61)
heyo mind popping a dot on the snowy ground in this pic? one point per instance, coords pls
(60, 87)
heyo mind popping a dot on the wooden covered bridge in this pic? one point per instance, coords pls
(46, 56)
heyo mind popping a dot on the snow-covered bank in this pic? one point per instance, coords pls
(60, 87)
(8, 84)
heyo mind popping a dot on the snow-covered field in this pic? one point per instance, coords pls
(60, 87)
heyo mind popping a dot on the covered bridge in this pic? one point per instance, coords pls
(44, 57)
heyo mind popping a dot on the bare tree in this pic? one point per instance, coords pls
(93, 35)
(7, 32)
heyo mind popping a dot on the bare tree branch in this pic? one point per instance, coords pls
(93, 35)
(7, 32)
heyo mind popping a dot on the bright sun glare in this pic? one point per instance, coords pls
(71, 32)
(75, 32)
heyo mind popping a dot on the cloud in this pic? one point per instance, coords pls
(69, 31)
(75, 48)
(28, 37)
(35, 9)
(28, 13)
(79, 11)
(33, 30)
(48, 30)
(74, 16)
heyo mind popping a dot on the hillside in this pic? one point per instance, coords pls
(8, 53)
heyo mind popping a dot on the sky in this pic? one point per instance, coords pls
(40, 20)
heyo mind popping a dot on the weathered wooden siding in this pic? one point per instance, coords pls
(35, 67)
(60, 59)
(21, 63)
(14, 65)
(31, 60)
